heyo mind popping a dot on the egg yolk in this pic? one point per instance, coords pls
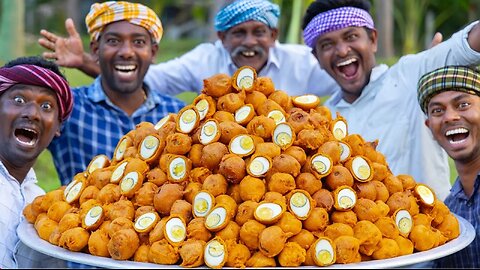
(201, 206)
(324, 257)
(256, 167)
(178, 232)
(215, 249)
(202, 105)
(178, 169)
(95, 211)
(127, 183)
(188, 116)
(405, 225)
(265, 213)
(246, 142)
(150, 142)
(283, 138)
(345, 201)
(209, 130)
(298, 199)
(246, 82)
(363, 171)
(338, 134)
(319, 166)
(212, 220)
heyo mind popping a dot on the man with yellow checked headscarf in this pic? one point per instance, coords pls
(124, 39)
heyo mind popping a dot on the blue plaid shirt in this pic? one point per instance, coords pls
(468, 208)
(96, 125)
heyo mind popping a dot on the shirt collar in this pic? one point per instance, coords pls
(457, 189)
(377, 72)
(31, 176)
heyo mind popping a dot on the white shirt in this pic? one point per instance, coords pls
(292, 68)
(13, 199)
(388, 110)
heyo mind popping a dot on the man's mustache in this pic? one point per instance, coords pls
(241, 49)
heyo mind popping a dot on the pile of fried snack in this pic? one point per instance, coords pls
(245, 176)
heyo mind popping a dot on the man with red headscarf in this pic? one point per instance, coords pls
(35, 100)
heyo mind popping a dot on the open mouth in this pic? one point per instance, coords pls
(248, 53)
(348, 67)
(126, 69)
(457, 135)
(26, 136)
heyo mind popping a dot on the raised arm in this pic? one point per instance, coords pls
(474, 38)
(68, 51)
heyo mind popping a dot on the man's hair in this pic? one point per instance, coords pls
(37, 61)
(320, 6)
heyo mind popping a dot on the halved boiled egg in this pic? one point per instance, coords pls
(283, 135)
(130, 183)
(345, 198)
(188, 119)
(203, 202)
(360, 168)
(321, 165)
(94, 218)
(118, 172)
(151, 147)
(74, 191)
(217, 219)
(178, 169)
(346, 151)
(300, 203)
(424, 194)
(404, 221)
(244, 114)
(202, 107)
(268, 212)
(339, 129)
(306, 102)
(146, 222)
(167, 118)
(244, 78)
(122, 146)
(175, 230)
(215, 253)
(242, 145)
(259, 165)
(98, 162)
(209, 132)
(324, 252)
(277, 116)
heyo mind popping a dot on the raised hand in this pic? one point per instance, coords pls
(65, 51)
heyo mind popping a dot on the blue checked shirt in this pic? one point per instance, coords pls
(468, 208)
(96, 125)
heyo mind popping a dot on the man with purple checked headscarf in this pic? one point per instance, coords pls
(380, 102)
(247, 32)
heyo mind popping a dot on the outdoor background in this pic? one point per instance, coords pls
(405, 26)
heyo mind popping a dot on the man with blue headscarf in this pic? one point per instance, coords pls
(247, 32)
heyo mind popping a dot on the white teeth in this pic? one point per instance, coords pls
(456, 131)
(347, 62)
(249, 53)
(30, 143)
(125, 68)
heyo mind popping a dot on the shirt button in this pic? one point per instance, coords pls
(469, 203)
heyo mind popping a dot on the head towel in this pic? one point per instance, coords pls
(39, 76)
(448, 78)
(247, 10)
(102, 14)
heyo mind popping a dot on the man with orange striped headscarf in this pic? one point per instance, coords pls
(124, 39)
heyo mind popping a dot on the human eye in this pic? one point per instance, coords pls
(464, 105)
(139, 42)
(112, 41)
(47, 106)
(352, 36)
(436, 111)
(326, 45)
(19, 99)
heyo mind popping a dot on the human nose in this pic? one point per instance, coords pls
(31, 111)
(126, 50)
(451, 115)
(342, 48)
(250, 40)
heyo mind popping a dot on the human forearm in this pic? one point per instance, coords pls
(474, 38)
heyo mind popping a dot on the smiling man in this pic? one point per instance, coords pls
(450, 97)
(35, 100)
(124, 39)
(380, 102)
(247, 35)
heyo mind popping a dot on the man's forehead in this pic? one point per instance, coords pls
(124, 27)
(248, 25)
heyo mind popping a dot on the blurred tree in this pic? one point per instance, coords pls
(12, 30)
(384, 24)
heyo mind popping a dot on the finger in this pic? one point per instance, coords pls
(70, 26)
(437, 39)
(48, 35)
(49, 55)
(46, 44)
